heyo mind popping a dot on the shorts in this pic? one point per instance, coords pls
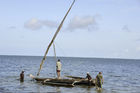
(99, 85)
(58, 70)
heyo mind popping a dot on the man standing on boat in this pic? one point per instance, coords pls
(99, 80)
(58, 68)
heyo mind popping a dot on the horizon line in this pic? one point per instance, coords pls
(75, 57)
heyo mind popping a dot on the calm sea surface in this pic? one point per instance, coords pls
(120, 75)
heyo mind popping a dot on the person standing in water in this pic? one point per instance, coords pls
(89, 78)
(58, 68)
(22, 76)
(99, 80)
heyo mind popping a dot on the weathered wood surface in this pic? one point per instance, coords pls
(59, 82)
(64, 82)
(74, 77)
(85, 82)
(68, 81)
(82, 80)
(39, 79)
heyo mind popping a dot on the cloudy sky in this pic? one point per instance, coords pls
(93, 28)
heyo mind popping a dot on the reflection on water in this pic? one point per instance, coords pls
(58, 90)
(121, 76)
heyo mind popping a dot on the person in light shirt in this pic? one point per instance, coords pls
(58, 68)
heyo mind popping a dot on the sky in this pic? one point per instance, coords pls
(93, 28)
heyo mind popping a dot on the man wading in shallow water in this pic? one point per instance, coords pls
(22, 76)
(99, 81)
(58, 68)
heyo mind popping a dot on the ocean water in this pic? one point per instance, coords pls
(120, 75)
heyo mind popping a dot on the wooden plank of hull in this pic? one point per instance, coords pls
(85, 82)
(67, 81)
(74, 77)
(40, 79)
(58, 84)
(55, 80)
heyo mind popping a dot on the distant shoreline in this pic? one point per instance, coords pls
(71, 57)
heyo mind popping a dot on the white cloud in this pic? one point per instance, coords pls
(35, 24)
(78, 22)
(50, 24)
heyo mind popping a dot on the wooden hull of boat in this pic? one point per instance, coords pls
(59, 82)
(64, 82)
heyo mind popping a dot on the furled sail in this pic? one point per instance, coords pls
(58, 29)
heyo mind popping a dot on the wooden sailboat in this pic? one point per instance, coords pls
(55, 81)
(52, 80)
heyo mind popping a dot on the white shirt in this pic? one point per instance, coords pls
(58, 65)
